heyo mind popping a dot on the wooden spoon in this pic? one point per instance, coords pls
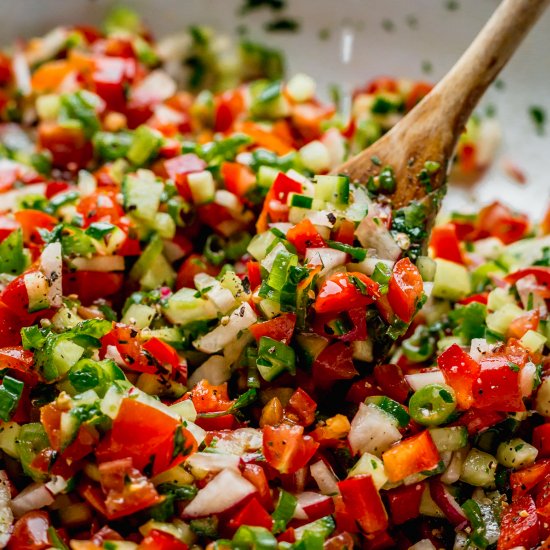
(431, 130)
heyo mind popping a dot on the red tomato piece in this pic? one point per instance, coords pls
(239, 179)
(480, 298)
(178, 168)
(334, 363)
(160, 540)
(192, 265)
(405, 289)
(460, 372)
(280, 328)
(252, 513)
(363, 503)
(256, 475)
(286, 448)
(392, 381)
(229, 105)
(303, 406)
(410, 456)
(68, 145)
(209, 398)
(362, 389)
(275, 201)
(101, 206)
(90, 286)
(497, 220)
(343, 291)
(445, 244)
(30, 532)
(476, 420)
(382, 84)
(304, 235)
(404, 502)
(541, 440)
(541, 273)
(520, 525)
(164, 353)
(528, 321)
(522, 481)
(10, 327)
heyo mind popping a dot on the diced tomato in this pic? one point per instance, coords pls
(497, 385)
(194, 264)
(497, 220)
(164, 353)
(68, 145)
(209, 398)
(476, 420)
(519, 326)
(417, 93)
(460, 372)
(404, 502)
(541, 440)
(238, 178)
(382, 84)
(275, 201)
(110, 77)
(286, 448)
(363, 502)
(254, 274)
(178, 168)
(342, 291)
(392, 381)
(30, 532)
(445, 244)
(252, 513)
(16, 358)
(520, 525)
(361, 389)
(304, 235)
(280, 328)
(100, 206)
(355, 318)
(30, 221)
(345, 233)
(522, 481)
(16, 298)
(256, 475)
(10, 326)
(90, 286)
(5, 69)
(411, 456)
(153, 440)
(229, 105)
(161, 540)
(405, 289)
(128, 344)
(307, 119)
(302, 406)
(334, 363)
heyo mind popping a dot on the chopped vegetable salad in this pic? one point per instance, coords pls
(209, 340)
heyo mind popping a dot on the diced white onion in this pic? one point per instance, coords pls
(325, 478)
(214, 369)
(202, 464)
(156, 86)
(33, 497)
(376, 236)
(328, 258)
(527, 379)
(22, 73)
(87, 184)
(420, 379)
(51, 263)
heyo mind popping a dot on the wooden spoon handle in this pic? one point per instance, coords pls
(465, 83)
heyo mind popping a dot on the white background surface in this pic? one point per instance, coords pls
(439, 38)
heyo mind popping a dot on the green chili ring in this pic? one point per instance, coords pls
(433, 404)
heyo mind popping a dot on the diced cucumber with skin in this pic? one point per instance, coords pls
(111, 401)
(310, 346)
(170, 335)
(426, 267)
(428, 507)
(184, 307)
(449, 439)
(185, 409)
(479, 469)
(202, 186)
(498, 321)
(524, 252)
(64, 355)
(542, 401)
(392, 408)
(300, 201)
(533, 341)
(499, 297)
(370, 464)
(269, 308)
(451, 281)
(147, 259)
(516, 453)
(145, 144)
(31, 440)
(9, 433)
(334, 189)
(139, 315)
(142, 192)
(159, 274)
(324, 526)
(177, 528)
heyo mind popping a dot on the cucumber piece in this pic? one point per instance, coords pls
(147, 259)
(334, 189)
(145, 144)
(38, 287)
(9, 433)
(270, 308)
(533, 341)
(542, 401)
(170, 335)
(266, 176)
(526, 251)
(164, 225)
(392, 408)
(516, 453)
(68, 429)
(202, 186)
(31, 440)
(159, 274)
(184, 307)
(260, 244)
(310, 346)
(479, 469)
(500, 320)
(449, 439)
(428, 507)
(499, 297)
(370, 464)
(300, 201)
(451, 281)
(141, 193)
(323, 526)
(139, 315)
(65, 355)
(301, 87)
(427, 268)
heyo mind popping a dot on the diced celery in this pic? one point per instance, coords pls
(500, 320)
(533, 341)
(516, 453)
(202, 186)
(451, 281)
